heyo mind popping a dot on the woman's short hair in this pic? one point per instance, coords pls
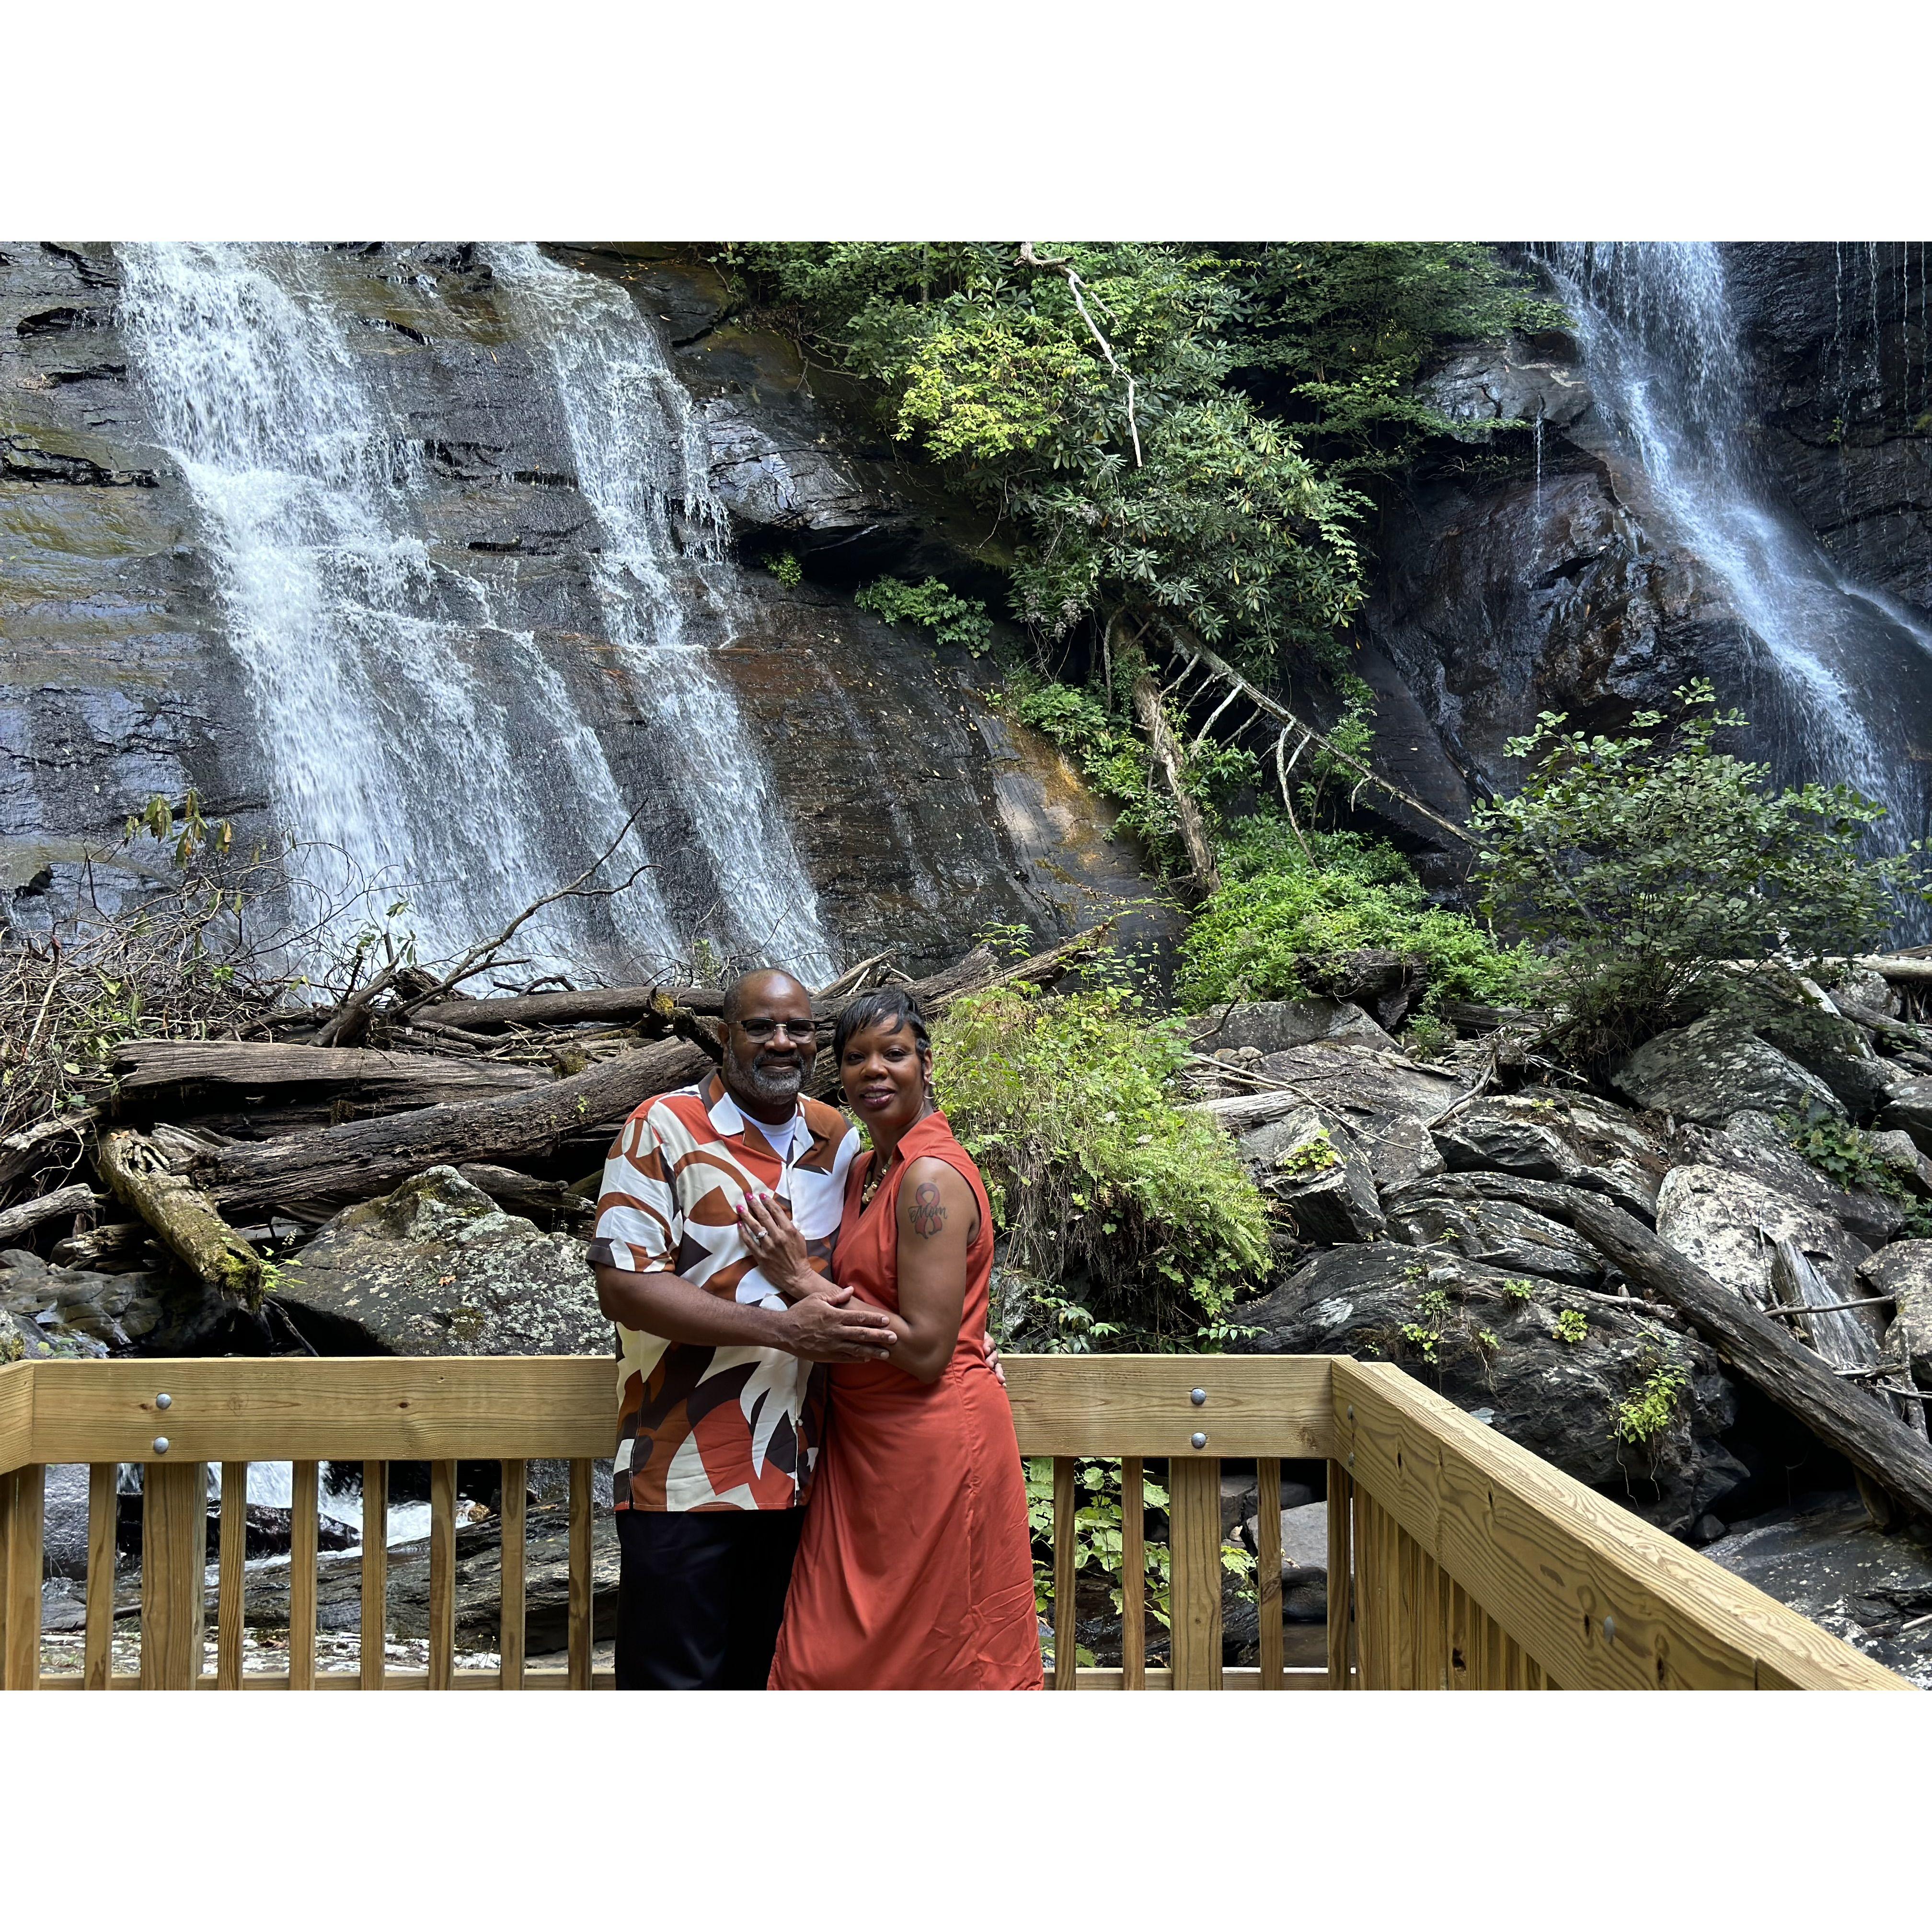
(891, 1007)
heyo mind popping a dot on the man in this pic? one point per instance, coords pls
(720, 1405)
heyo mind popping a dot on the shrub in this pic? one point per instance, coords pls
(1572, 1326)
(1280, 922)
(1091, 1169)
(1647, 1412)
(1648, 864)
(933, 606)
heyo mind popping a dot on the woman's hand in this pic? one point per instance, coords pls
(778, 1249)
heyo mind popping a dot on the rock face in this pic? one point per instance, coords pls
(1314, 1169)
(1454, 1323)
(1714, 1068)
(1829, 1562)
(1273, 1026)
(1562, 1137)
(1451, 1211)
(48, 1311)
(436, 1268)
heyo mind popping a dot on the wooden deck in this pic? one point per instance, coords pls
(1456, 1561)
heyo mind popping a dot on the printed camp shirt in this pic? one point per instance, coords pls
(705, 1428)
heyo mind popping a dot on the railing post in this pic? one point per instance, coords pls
(372, 1640)
(104, 1510)
(1267, 1567)
(582, 1472)
(1341, 1573)
(442, 1575)
(510, 1601)
(1133, 1576)
(174, 1555)
(228, 1629)
(1194, 1598)
(23, 1496)
(305, 1500)
(1066, 1589)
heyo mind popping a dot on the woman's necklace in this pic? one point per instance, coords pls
(876, 1172)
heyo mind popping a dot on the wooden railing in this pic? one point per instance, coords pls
(1456, 1559)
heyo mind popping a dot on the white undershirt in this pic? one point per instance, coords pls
(780, 1137)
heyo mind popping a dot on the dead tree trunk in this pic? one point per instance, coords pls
(1148, 709)
(184, 1217)
(48, 1207)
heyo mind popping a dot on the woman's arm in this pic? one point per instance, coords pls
(938, 1221)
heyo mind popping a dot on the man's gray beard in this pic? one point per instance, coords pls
(775, 1086)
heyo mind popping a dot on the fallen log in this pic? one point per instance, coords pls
(184, 1216)
(614, 1005)
(360, 1158)
(399, 1079)
(16, 1220)
(1166, 748)
(114, 1241)
(22, 1151)
(1858, 1425)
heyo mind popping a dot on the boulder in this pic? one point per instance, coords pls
(1829, 1563)
(436, 1268)
(1898, 1152)
(1831, 1049)
(1274, 1026)
(1562, 1137)
(1382, 1100)
(1304, 1560)
(1716, 1067)
(1904, 1272)
(1908, 1108)
(1458, 1325)
(1240, 1499)
(1456, 1211)
(1313, 1168)
(1726, 1223)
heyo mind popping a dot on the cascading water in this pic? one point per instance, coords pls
(1846, 692)
(664, 589)
(389, 753)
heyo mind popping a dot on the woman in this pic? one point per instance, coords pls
(915, 1572)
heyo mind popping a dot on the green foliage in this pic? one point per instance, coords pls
(1572, 1326)
(1647, 1412)
(1190, 492)
(1489, 1341)
(1097, 1542)
(183, 823)
(1435, 1305)
(952, 619)
(1280, 922)
(1849, 1157)
(1315, 1155)
(1645, 863)
(788, 570)
(1092, 1169)
(1519, 1290)
(1423, 1340)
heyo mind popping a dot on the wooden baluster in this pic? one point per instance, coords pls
(6, 1562)
(1133, 1576)
(372, 1643)
(582, 1473)
(103, 1509)
(1459, 1677)
(1194, 1598)
(1341, 1579)
(305, 1500)
(25, 1514)
(1404, 1598)
(1066, 1506)
(1511, 1676)
(228, 1595)
(442, 1575)
(510, 1673)
(174, 1559)
(1268, 1566)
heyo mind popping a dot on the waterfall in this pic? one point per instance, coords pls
(1846, 687)
(667, 593)
(391, 754)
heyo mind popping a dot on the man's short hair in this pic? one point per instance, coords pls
(734, 994)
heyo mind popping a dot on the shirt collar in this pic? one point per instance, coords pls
(728, 1118)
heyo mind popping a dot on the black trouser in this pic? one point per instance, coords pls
(700, 1595)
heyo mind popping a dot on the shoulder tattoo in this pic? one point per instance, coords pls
(928, 1211)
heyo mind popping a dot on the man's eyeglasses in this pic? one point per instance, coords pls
(798, 1031)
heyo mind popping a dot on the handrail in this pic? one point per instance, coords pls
(1456, 1558)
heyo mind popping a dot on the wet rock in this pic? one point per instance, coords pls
(1457, 1324)
(1453, 1211)
(1829, 1563)
(1559, 1137)
(1904, 1272)
(1273, 1026)
(1726, 1223)
(1516, 383)
(1715, 1067)
(75, 1312)
(436, 1268)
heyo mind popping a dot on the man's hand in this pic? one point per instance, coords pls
(817, 1330)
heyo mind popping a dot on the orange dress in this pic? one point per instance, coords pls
(915, 1571)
